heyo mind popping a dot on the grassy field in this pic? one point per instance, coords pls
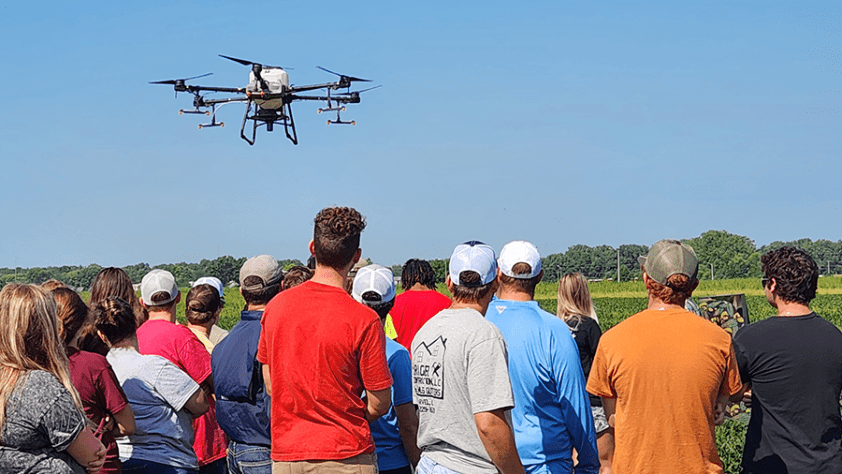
(617, 301)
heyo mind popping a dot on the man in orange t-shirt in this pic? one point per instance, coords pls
(661, 372)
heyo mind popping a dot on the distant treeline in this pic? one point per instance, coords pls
(226, 268)
(732, 256)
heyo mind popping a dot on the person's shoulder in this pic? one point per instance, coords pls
(395, 350)
(41, 380)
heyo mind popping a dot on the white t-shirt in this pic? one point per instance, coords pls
(157, 391)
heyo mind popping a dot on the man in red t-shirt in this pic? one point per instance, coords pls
(324, 360)
(418, 303)
(176, 343)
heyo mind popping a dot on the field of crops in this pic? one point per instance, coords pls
(617, 301)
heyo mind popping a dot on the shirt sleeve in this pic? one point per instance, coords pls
(599, 381)
(401, 368)
(62, 420)
(573, 399)
(174, 385)
(262, 347)
(594, 333)
(489, 387)
(374, 370)
(742, 359)
(194, 357)
(731, 384)
(108, 387)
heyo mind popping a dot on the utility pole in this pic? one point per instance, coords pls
(618, 265)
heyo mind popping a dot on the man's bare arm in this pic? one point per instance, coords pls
(408, 429)
(267, 380)
(197, 405)
(499, 441)
(377, 403)
(610, 407)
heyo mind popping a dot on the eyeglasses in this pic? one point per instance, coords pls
(765, 280)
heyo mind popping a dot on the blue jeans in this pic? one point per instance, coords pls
(139, 466)
(248, 459)
(428, 466)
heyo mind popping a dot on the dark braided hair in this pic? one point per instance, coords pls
(418, 271)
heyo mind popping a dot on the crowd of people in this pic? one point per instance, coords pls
(331, 370)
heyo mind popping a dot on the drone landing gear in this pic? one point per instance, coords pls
(269, 117)
(338, 108)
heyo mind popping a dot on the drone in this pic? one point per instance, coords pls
(268, 98)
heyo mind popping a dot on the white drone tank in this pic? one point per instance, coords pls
(276, 80)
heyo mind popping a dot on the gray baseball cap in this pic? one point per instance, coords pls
(670, 257)
(263, 266)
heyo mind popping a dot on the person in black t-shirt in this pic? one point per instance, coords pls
(575, 307)
(793, 362)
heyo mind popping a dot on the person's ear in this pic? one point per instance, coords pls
(312, 247)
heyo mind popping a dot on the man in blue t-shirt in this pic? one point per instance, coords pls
(552, 413)
(395, 432)
(242, 406)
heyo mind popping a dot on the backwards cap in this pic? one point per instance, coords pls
(376, 278)
(158, 281)
(263, 266)
(519, 251)
(473, 256)
(670, 257)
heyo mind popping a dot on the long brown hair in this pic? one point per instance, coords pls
(29, 340)
(72, 313)
(574, 298)
(113, 281)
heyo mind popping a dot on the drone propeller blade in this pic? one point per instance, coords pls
(370, 88)
(241, 61)
(173, 82)
(196, 77)
(349, 78)
(249, 63)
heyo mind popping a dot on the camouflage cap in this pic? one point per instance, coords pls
(670, 257)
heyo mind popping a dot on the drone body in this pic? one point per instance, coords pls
(268, 98)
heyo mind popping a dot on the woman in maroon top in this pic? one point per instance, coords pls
(104, 401)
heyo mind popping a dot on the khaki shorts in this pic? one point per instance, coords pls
(359, 464)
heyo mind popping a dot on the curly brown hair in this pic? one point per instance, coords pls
(676, 291)
(336, 236)
(795, 272)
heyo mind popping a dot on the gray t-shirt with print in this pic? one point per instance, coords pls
(459, 369)
(41, 422)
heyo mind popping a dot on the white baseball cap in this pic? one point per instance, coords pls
(376, 278)
(157, 281)
(214, 282)
(519, 251)
(473, 256)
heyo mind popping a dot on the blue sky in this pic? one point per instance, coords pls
(556, 122)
